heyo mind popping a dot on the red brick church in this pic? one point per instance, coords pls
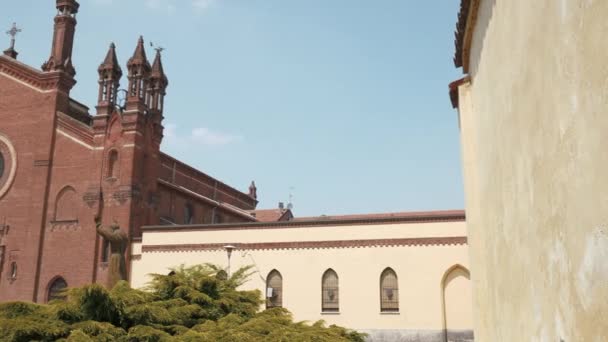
(61, 165)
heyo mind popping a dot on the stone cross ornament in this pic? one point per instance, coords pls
(13, 33)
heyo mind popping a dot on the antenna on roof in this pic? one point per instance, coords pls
(290, 204)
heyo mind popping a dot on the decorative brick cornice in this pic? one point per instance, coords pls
(92, 197)
(126, 193)
(64, 225)
(427, 241)
(43, 81)
(423, 217)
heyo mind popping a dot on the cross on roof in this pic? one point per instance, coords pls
(13, 33)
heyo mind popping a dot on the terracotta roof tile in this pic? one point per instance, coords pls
(271, 215)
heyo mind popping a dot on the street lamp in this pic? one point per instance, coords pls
(229, 249)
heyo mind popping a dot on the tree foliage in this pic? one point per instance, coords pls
(199, 303)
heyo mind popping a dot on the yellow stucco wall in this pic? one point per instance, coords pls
(421, 271)
(533, 126)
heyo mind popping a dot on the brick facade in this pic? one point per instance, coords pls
(71, 166)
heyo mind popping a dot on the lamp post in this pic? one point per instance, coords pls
(229, 249)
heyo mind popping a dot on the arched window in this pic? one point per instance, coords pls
(112, 164)
(188, 214)
(56, 289)
(274, 290)
(389, 291)
(330, 291)
(66, 205)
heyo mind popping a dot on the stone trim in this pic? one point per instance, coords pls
(426, 217)
(428, 241)
(10, 164)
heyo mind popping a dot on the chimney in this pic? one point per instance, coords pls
(281, 205)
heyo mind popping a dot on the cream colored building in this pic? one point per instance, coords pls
(533, 111)
(399, 277)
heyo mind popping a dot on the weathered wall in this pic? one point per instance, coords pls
(534, 142)
(421, 270)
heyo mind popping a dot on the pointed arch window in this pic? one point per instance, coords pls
(112, 164)
(57, 289)
(66, 205)
(389, 291)
(274, 290)
(330, 292)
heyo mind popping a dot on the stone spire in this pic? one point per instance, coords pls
(109, 78)
(158, 84)
(139, 75)
(63, 38)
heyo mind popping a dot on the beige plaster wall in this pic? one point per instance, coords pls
(420, 270)
(534, 122)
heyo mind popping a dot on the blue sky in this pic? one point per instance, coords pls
(343, 103)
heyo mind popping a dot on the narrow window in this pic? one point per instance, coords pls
(188, 214)
(274, 290)
(330, 289)
(13, 270)
(389, 291)
(57, 289)
(113, 164)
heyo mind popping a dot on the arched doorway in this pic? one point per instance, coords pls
(457, 305)
(56, 290)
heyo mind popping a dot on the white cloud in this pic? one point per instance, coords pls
(207, 137)
(202, 4)
(199, 136)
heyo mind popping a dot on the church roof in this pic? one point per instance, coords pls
(326, 221)
(395, 215)
(464, 31)
(272, 215)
